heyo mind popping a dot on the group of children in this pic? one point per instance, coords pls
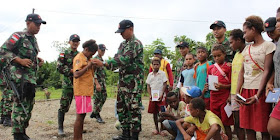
(205, 116)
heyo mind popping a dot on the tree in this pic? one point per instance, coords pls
(210, 39)
(60, 46)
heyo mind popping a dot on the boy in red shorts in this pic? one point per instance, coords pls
(156, 82)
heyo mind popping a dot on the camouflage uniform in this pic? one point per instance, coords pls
(129, 60)
(99, 97)
(64, 66)
(24, 46)
(178, 70)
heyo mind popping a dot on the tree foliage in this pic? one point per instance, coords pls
(48, 76)
(60, 46)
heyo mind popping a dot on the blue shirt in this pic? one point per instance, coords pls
(187, 76)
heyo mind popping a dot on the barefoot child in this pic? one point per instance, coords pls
(156, 81)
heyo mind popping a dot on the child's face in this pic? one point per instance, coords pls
(219, 56)
(189, 60)
(173, 101)
(218, 31)
(234, 44)
(194, 112)
(156, 66)
(187, 99)
(201, 55)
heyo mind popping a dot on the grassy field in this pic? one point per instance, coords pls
(56, 93)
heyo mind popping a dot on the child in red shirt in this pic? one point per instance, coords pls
(218, 99)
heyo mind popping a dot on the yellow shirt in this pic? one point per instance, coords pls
(83, 86)
(204, 127)
(236, 67)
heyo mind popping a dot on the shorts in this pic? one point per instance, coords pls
(234, 105)
(154, 106)
(83, 104)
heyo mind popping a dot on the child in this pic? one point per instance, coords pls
(156, 81)
(187, 74)
(253, 76)
(237, 43)
(218, 99)
(175, 110)
(83, 84)
(200, 74)
(207, 123)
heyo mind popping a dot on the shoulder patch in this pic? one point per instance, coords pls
(61, 55)
(77, 62)
(14, 38)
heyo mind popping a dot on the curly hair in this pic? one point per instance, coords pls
(91, 45)
(254, 21)
(237, 34)
(219, 47)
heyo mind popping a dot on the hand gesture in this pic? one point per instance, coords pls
(269, 87)
(206, 87)
(98, 87)
(25, 62)
(218, 85)
(96, 62)
(41, 61)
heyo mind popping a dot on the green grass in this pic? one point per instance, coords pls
(56, 93)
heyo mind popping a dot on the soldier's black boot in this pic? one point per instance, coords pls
(92, 115)
(135, 136)
(7, 121)
(99, 119)
(60, 123)
(25, 137)
(2, 119)
(125, 135)
(18, 136)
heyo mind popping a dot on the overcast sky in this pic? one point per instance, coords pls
(153, 19)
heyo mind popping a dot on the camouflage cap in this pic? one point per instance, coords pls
(35, 18)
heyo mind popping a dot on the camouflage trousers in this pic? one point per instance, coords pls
(99, 99)
(66, 99)
(128, 109)
(6, 103)
(20, 120)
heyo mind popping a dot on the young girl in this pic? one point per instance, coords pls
(253, 76)
(218, 99)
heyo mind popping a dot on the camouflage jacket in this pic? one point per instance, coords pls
(24, 46)
(64, 66)
(178, 70)
(100, 75)
(129, 60)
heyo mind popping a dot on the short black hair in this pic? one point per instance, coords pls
(198, 103)
(155, 59)
(91, 45)
(237, 34)
(202, 48)
(170, 94)
(191, 55)
(219, 47)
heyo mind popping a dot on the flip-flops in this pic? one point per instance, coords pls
(155, 132)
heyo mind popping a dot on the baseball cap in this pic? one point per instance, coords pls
(124, 24)
(35, 18)
(218, 23)
(157, 51)
(269, 24)
(183, 44)
(102, 47)
(74, 37)
(192, 91)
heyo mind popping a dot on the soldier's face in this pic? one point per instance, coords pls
(100, 52)
(127, 34)
(74, 44)
(33, 28)
(218, 31)
(183, 51)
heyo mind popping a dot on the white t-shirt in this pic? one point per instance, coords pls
(156, 80)
(252, 73)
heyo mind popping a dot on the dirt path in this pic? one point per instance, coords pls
(43, 124)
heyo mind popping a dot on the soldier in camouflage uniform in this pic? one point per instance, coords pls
(129, 60)
(219, 30)
(65, 67)
(100, 93)
(184, 50)
(6, 105)
(20, 53)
